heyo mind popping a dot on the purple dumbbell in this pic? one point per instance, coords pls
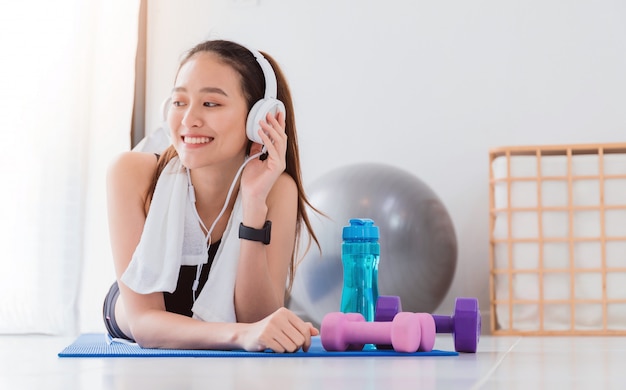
(408, 332)
(464, 324)
(387, 306)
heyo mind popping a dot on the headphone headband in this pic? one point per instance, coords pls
(268, 73)
(269, 104)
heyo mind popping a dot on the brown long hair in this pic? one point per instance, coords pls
(253, 87)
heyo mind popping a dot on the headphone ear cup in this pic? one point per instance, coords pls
(259, 112)
(165, 108)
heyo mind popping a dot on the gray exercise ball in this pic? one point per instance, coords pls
(417, 239)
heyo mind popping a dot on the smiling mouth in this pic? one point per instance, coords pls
(197, 140)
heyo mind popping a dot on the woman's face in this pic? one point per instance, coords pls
(208, 112)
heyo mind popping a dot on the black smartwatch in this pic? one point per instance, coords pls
(261, 235)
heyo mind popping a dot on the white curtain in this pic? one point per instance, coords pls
(66, 97)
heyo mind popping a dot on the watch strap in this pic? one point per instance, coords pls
(261, 235)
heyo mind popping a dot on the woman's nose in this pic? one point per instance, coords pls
(191, 117)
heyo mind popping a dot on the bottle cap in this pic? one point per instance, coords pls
(361, 228)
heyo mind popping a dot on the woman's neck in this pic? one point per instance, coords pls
(211, 187)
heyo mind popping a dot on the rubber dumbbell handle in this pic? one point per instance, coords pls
(368, 332)
(444, 324)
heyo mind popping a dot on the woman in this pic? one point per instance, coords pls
(169, 300)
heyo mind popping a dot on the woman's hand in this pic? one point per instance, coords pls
(260, 175)
(281, 331)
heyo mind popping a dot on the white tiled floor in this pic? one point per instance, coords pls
(557, 363)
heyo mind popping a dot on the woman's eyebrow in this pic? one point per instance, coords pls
(203, 90)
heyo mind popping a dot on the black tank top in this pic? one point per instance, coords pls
(181, 300)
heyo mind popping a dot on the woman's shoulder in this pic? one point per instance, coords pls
(133, 162)
(284, 188)
(133, 169)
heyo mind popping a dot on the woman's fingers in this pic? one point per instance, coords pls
(286, 332)
(298, 336)
(275, 142)
(311, 331)
(273, 127)
(278, 120)
(301, 332)
(286, 343)
(283, 331)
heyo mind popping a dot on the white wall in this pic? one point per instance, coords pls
(427, 86)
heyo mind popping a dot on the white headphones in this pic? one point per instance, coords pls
(269, 103)
(260, 109)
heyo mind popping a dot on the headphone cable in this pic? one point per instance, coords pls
(192, 197)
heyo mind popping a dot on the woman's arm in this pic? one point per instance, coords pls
(268, 193)
(263, 269)
(143, 316)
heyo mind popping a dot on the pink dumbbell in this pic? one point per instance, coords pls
(408, 332)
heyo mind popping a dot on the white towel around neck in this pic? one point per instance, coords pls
(172, 237)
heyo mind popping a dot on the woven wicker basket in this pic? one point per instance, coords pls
(558, 240)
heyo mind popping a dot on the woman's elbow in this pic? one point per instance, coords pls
(144, 333)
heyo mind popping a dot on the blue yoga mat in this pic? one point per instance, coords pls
(100, 345)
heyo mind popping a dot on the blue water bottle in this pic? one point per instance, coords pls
(360, 254)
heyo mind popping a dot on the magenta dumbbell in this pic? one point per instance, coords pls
(357, 317)
(464, 324)
(408, 332)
